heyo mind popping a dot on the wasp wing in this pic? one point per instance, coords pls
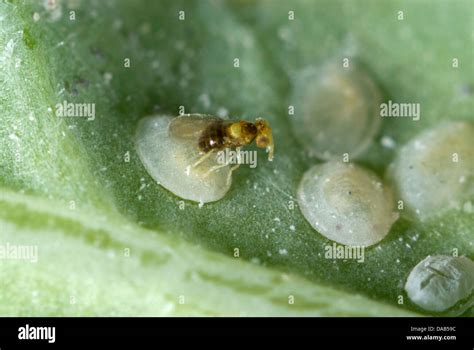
(189, 127)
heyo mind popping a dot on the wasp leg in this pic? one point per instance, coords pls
(235, 167)
(239, 159)
(229, 175)
(214, 168)
(202, 159)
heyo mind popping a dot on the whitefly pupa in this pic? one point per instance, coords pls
(434, 171)
(336, 110)
(180, 153)
(441, 282)
(346, 203)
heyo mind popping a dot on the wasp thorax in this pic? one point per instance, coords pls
(435, 171)
(336, 111)
(441, 282)
(235, 130)
(170, 162)
(249, 131)
(346, 203)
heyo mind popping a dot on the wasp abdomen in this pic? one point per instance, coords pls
(213, 137)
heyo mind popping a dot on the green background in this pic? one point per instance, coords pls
(47, 162)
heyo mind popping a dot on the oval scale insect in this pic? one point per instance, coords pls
(178, 152)
(336, 110)
(442, 282)
(434, 172)
(346, 203)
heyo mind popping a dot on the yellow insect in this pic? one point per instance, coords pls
(211, 134)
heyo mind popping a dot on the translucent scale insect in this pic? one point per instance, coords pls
(441, 282)
(181, 153)
(434, 172)
(346, 203)
(337, 110)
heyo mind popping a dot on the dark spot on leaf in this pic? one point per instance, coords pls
(81, 81)
(28, 39)
(465, 90)
(98, 53)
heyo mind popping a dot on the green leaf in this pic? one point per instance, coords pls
(66, 187)
(90, 263)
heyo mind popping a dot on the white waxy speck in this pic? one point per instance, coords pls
(387, 142)
(36, 16)
(108, 77)
(166, 159)
(205, 100)
(284, 33)
(434, 178)
(292, 228)
(338, 110)
(283, 251)
(440, 282)
(54, 8)
(222, 112)
(352, 208)
(155, 64)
